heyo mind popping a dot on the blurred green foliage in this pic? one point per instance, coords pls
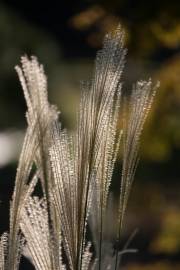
(19, 37)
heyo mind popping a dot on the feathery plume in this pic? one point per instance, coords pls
(75, 170)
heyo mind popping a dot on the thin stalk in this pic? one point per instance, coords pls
(100, 238)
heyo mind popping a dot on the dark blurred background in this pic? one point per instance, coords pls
(65, 36)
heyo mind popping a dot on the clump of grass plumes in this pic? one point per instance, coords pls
(75, 170)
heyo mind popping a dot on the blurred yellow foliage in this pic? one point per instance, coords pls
(162, 131)
(167, 31)
(88, 17)
(168, 240)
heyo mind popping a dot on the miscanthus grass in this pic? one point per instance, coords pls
(64, 228)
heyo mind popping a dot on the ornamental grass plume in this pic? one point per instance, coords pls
(74, 170)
